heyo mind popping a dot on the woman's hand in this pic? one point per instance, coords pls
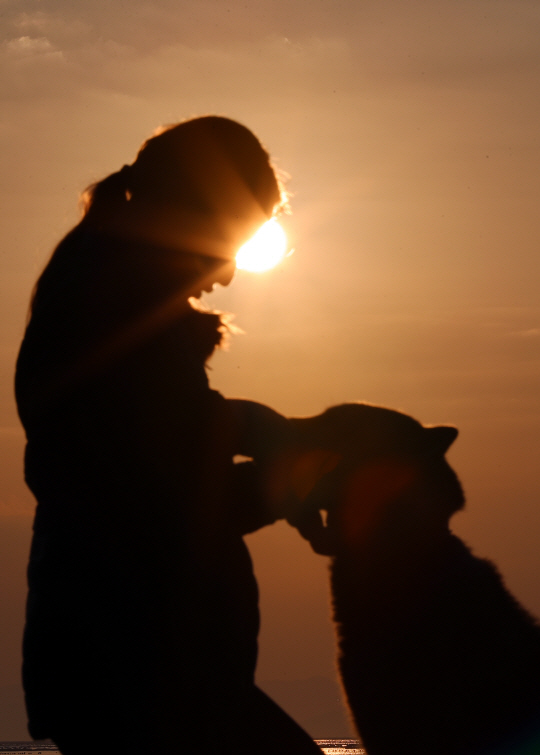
(260, 432)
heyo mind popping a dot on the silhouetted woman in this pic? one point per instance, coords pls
(142, 614)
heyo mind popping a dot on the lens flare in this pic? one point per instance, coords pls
(264, 250)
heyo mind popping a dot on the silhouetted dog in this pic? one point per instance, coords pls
(435, 655)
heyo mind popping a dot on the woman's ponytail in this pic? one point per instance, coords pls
(103, 202)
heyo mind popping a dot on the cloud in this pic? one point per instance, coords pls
(27, 46)
(28, 66)
(50, 25)
(273, 64)
(387, 44)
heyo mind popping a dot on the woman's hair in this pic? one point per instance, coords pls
(209, 165)
(205, 167)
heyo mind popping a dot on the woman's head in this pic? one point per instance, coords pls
(154, 234)
(203, 186)
(204, 161)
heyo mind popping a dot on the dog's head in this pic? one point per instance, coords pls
(359, 461)
(362, 430)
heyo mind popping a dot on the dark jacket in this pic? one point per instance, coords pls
(142, 600)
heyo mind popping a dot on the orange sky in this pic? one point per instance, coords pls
(411, 134)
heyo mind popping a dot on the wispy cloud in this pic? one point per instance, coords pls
(51, 25)
(29, 46)
(474, 45)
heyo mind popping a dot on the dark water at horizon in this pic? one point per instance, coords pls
(328, 746)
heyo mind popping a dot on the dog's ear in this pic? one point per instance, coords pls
(439, 439)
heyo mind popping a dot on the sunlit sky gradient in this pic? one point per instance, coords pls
(411, 134)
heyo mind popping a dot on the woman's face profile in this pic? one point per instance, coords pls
(208, 276)
(223, 275)
(225, 234)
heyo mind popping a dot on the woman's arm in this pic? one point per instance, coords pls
(284, 474)
(262, 487)
(261, 432)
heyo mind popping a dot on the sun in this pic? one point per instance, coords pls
(264, 250)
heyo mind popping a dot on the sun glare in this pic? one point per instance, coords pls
(264, 250)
